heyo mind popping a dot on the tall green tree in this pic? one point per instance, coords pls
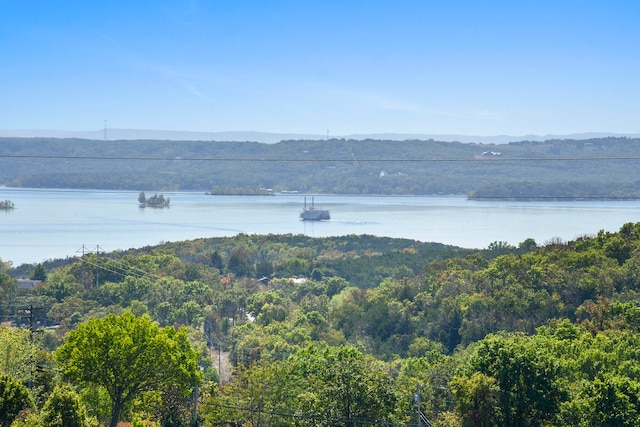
(343, 386)
(520, 385)
(16, 352)
(477, 399)
(14, 397)
(128, 355)
(64, 409)
(39, 273)
(332, 386)
(8, 289)
(240, 262)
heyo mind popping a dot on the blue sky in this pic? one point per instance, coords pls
(485, 67)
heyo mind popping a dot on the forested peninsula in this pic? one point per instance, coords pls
(290, 330)
(554, 169)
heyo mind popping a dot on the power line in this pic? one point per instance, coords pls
(120, 268)
(306, 160)
(308, 416)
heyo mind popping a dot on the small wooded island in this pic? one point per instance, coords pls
(155, 201)
(6, 205)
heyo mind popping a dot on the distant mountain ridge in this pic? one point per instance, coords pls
(272, 138)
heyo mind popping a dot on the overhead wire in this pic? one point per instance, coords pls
(309, 160)
(122, 270)
(479, 159)
(307, 416)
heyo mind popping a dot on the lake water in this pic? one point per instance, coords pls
(50, 224)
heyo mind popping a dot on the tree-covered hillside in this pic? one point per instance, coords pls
(556, 168)
(298, 331)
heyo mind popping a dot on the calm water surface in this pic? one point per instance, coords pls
(56, 224)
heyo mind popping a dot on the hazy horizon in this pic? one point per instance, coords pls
(312, 68)
(274, 137)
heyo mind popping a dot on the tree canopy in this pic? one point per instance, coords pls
(128, 355)
(14, 398)
(603, 167)
(293, 330)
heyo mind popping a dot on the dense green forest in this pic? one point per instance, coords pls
(288, 330)
(604, 167)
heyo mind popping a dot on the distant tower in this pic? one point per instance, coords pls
(105, 130)
(327, 135)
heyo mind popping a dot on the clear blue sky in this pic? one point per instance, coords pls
(482, 67)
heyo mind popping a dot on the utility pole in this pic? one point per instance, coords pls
(97, 266)
(417, 399)
(31, 311)
(422, 418)
(194, 414)
(82, 272)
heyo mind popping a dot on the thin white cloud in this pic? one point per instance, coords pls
(176, 78)
(390, 104)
